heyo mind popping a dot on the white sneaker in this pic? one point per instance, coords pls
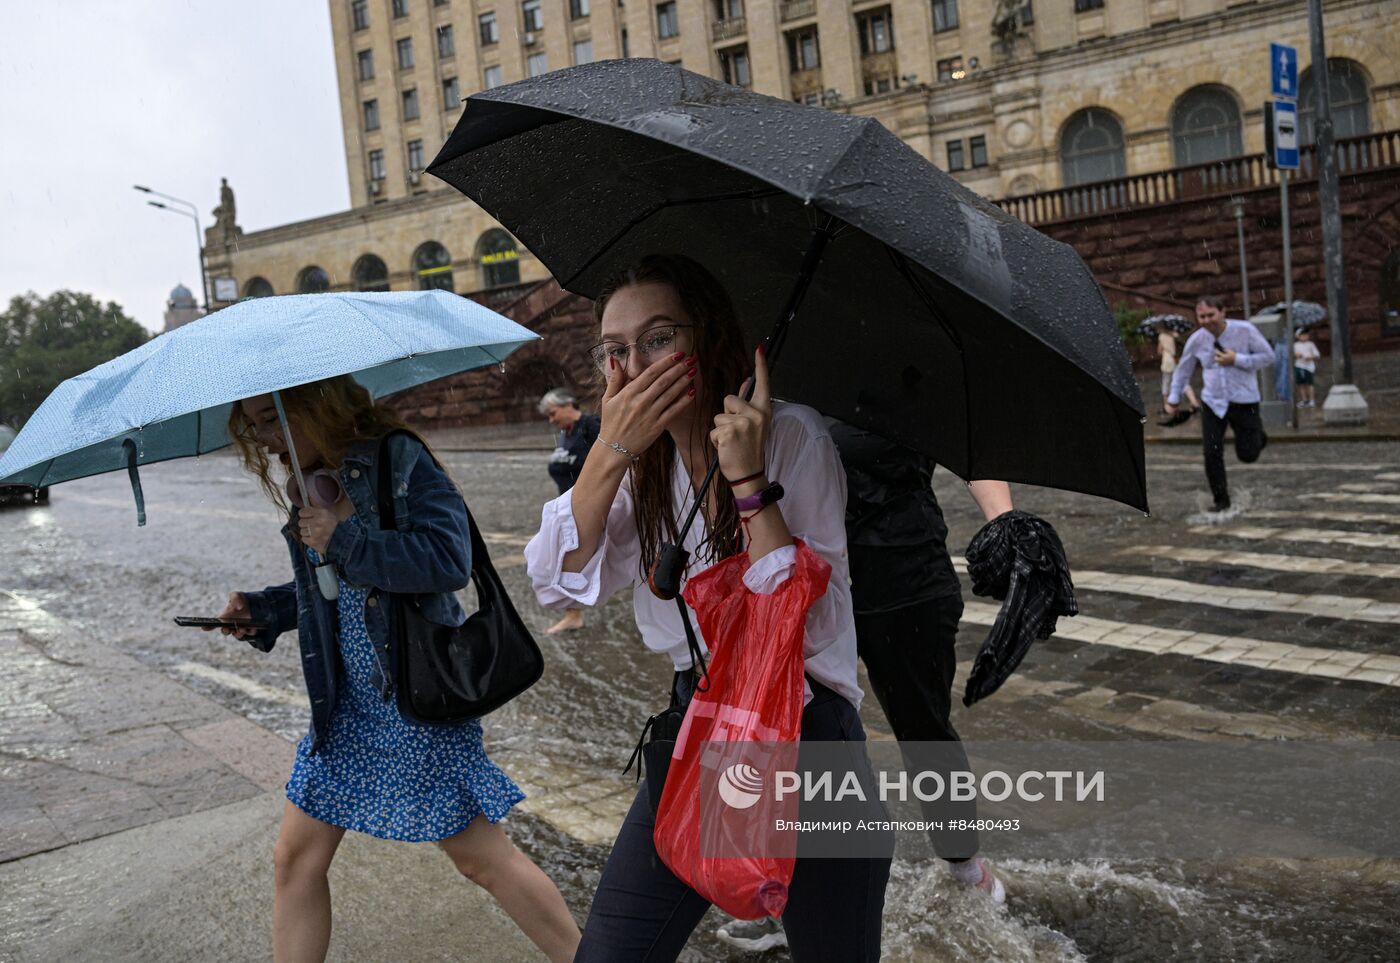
(977, 873)
(753, 935)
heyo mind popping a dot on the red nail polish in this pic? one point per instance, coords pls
(762, 351)
(612, 364)
(679, 356)
(690, 373)
(691, 392)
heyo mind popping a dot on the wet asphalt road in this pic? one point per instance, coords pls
(211, 531)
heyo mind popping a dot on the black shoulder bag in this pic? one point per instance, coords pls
(448, 674)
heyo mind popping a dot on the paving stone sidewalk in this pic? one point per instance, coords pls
(135, 808)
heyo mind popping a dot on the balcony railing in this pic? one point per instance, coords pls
(1354, 154)
(797, 9)
(725, 29)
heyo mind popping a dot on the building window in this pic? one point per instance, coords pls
(876, 31)
(371, 114)
(951, 69)
(578, 9)
(441, 3)
(415, 155)
(447, 45)
(1206, 126)
(878, 85)
(668, 20)
(500, 260)
(313, 280)
(370, 274)
(534, 17)
(729, 9)
(537, 64)
(955, 155)
(625, 52)
(1091, 148)
(405, 48)
(410, 104)
(977, 147)
(583, 52)
(432, 267)
(811, 100)
(734, 64)
(359, 14)
(451, 94)
(365, 60)
(491, 77)
(400, 8)
(486, 27)
(1351, 101)
(376, 165)
(258, 288)
(945, 15)
(803, 51)
(1028, 13)
(1082, 5)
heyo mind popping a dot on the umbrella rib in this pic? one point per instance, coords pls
(752, 194)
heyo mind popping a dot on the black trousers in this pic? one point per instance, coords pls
(1250, 440)
(642, 913)
(910, 659)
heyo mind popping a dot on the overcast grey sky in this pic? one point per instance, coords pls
(98, 95)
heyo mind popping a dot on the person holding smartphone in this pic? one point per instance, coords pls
(361, 765)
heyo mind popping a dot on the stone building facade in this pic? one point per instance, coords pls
(1014, 97)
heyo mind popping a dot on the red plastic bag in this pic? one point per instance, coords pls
(715, 826)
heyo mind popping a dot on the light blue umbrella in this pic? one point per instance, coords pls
(171, 397)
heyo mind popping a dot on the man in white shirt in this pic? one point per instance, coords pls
(1230, 354)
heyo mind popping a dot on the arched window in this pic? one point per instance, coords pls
(258, 288)
(1350, 96)
(1091, 148)
(1206, 126)
(500, 260)
(432, 265)
(313, 280)
(371, 274)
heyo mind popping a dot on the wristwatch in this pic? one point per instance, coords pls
(768, 496)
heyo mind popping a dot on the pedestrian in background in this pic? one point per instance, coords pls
(1230, 354)
(1305, 358)
(577, 432)
(1166, 348)
(361, 765)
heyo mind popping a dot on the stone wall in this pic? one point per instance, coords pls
(1173, 252)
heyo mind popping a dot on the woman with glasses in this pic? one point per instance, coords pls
(673, 357)
(362, 766)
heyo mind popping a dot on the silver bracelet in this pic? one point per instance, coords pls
(620, 450)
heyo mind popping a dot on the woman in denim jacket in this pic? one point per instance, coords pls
(362, 766)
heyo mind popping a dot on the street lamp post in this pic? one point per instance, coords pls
(193, 214)
(1237, 203)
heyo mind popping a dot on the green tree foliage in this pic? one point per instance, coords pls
(1128, 318)
(44, 341)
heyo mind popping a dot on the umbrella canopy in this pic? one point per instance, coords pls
(933, 318)
(1305, 313)
(1172, 322)
(171, 397)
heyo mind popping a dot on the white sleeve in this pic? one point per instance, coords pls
(814, 506)
(613, 566)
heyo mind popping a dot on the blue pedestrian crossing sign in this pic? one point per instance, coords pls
(1284, 130)
(1283, 71)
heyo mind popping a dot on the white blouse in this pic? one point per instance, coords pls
(802, 457)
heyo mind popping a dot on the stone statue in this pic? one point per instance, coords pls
(226, 228)
(1007, 25)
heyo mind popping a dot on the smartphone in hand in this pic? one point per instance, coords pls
(202, 622)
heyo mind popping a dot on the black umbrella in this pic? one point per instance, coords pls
(932, 317)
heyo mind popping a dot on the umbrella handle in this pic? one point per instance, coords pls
(326, 579)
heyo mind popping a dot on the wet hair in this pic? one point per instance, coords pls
(332, 414)
(557, 398)
(724, 359)
(1214, 300)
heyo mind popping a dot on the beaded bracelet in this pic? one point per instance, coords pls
(620, 450)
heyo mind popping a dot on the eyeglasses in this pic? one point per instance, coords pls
(653, 344)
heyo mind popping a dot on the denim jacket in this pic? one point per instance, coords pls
(427, 557)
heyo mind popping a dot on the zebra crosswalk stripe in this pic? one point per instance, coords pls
(1278, 563)
(1355, 518)
(1324, 536)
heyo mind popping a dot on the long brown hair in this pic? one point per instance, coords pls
(332, 414)
(719, 344)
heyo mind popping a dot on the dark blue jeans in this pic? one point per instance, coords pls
(643, 914)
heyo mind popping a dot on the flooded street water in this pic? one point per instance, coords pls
(210, 532)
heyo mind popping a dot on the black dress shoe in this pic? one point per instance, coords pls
(1181, 417)
(1221, 505)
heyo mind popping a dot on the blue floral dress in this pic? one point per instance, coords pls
(379, 774)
